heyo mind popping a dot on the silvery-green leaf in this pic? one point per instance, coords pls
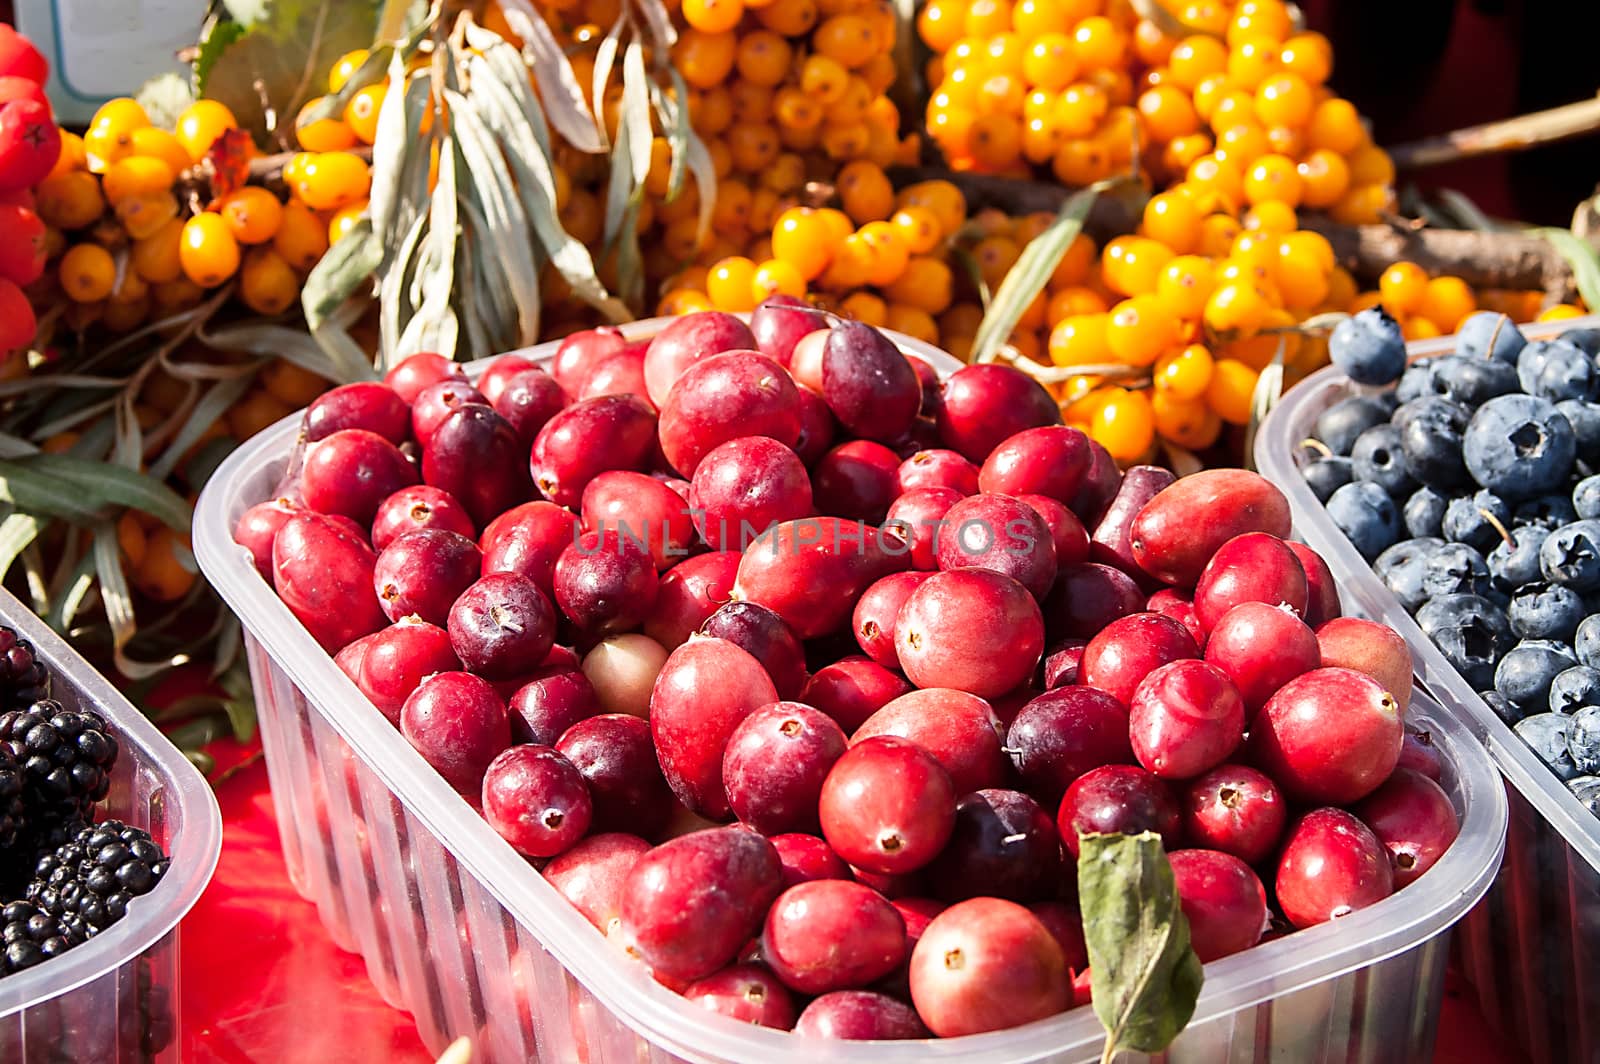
(1027, 278)
(605, 55)
(636, 109)
(1268, 390)
(393, 146)
(495, 314)
(1583, 259)
(562, 94)
(118, 602)
(31, 491)
(16, 532)
(342, 271)
(435, 328)
(165, 97)
(675, 126)
(662, 33)
(394, 309)
(278, 341)
(98, 484)
(511, 74)
(15, 446)
(60, 380)
(217, 401)
(127, 448)
(74, 586)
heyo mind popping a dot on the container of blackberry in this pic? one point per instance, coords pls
(108, 836)
(1460, 506)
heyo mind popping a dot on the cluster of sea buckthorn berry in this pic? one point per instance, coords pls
(1086, 86)
(135, 234)
(1428, 306)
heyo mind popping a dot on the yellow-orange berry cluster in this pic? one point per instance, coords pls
(1428, 306)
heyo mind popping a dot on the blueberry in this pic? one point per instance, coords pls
(1431, 447)
(1366, 514)
(1524, 675)
(1431, 409)
(1470, 631)
(1327, 475)
(1377, 457)
(1548, 512)
(1587, 641)
(1511, 565)
(1575, 689)
(1403, 568)
(1585, 421)
(1454, 569)
(1473, 381)
(1586, 498)
(1545, 612)
(1476, 520)
(1368, 347)
(1339, 425)
(1416, 382)
(1583, 739)
(1586, 339)
(1587, 790)
(1571, 555)
(1518, 446)
(1423, 513)
(1486, 334)
(1556, 369)
(1546, 735)
(1501, 706)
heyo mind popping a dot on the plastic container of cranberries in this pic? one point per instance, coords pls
(462, 932)
(115, 998)
(1531, 948)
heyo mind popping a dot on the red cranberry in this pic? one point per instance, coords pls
(691, 904)
(816, 427)
(351, 472)
(536, 800)
(1062, 663)
(399, 658)
(1332, 735)
(852, 689)
(1087, 598)
(1002, 534)
(258, 527)
(581, 351)
(723, 398)
(1131, 648)
(419, 506)
(805, 362)
(1176, 533)
(971, 629)
(528, 539)
(422, 573)
(1372, 648)
(364, 405)
(986, 404)
(436, 402)
(1170, 602)
(614, 754)
(887, 806)
(500, 371)
(878, 610)
(1100, 486)
(856, 480)
(591, 876)
(1419, 753)
(1322, 594)
(868, 383)
(832, 934)
(589, 438)
(475, 455)
(1118, 798)
(689, 593)
(1330, 866)
(323, 573)
(1066, 925)
(686, 341)
(1234, 809)
(958, 729)
(810, 572)
(778, 323)
(985, 965)
(762, 634)
(555, 699)
(1261, 648)
(1223, 900)
(1067, 533)
(747, 993)
(774, 765)
(1413, 818)
(928, 377)
(1003, 846)
(416, 371)
(895, 885)
(528, 402)
(1185, 717)
(1051, 460)
(744, 487)
(1112, 531)
(502, 625)
(639, 508)
(706, 688)
(1254, 567)
(919, 518)
(1065, 733)
(937, 468)
(859, 1015)
(458, 724)
(605, 583)
(807, 857)
(618, 374)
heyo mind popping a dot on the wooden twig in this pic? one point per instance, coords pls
(1511, 134)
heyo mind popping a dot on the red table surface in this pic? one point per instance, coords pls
(262, 982)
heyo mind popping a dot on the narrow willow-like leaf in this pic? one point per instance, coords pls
(675, 126)
(74, 589)
(217, 401)
(511, 74)
(605, 56)
(563, 96)
(341, 272)
(15, 446)
(1469, 213)
(663, 34)
(34, 492)
(118, 603)
(636, 110)
(16, 532)
(97, 484)
(1268, 390)
(393, 147)
(394, 310)
(1032, 270)
(279, 341)
(333, 105)
(1583, 259)
(127, 448)
(1170, 25)
(435, 326)
(1145, 975)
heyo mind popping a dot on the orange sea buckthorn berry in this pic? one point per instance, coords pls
(1080, 340)
(1446, 301)
(143, 215)
(1336, 125)
(1035, 18)
(1363, 205)
(865, 307)
(918, 227)
(851, 266)
(776, 277)
(252, 214)
(201, 123)
(1403, 287)
(962, 319)
(763, 57)
(1324, 177)
(1196, 58)
(1151, 44)
(1273, 177)
(941, 23)
(155, 257)
(361, 113)
(69, 201)
(1285, 100)
(824, 79)
(330, 180)
(153, 143)
(849, 39)
(327, 134)
(1185, 374)
(209, 253)
(1124, 424)
(890, 255)
(1131, 265)
(995, 141)
(1005, 54)
(1081, 108)
(1168, 113)
(301, 239)
(136, 176)
(1308, 55)
(1185, 284)
(705, 59)
(926, 283)
(865, 192)
(730, 284)
(985, 18)
(1140, 329)
(789, 17)
(346, 219)
(912, 321)
(712, 16)
(1560, 312)
(803, 239)
(1230, 390)
(1189, 423)
(1237, 307)
(1050, 62)
(344, 68)
(1099, 44)
(1252, 60)
(87, 273)
(1217, 234)
(1076, 262)
(1419, 328)
(1371, 165)
(266, 283)
(1219, 182)
(1173, 219)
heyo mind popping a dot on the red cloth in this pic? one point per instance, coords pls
(262, 982)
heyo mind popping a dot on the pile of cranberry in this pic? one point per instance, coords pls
(799, 672)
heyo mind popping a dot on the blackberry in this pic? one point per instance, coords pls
(23, 679)
(29, 935)
(95, 876)
(12, 808)
(66, 757)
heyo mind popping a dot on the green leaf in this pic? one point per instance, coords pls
(215, 37)
(1146, 977)
(435, 326)
(16, 532)
(31, 491)
(1268, 390)
(558, 82)
(1032, 270)
(1584, 260)
(94, 485)
(662, 33)
(207, 409)
(248, 12)
(118, 603)
(165, 97)
(396, 153)
(341, 272)
(605, 56)
(268, 73)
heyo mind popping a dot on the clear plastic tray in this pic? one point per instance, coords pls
(1532, 949)
(115, 998)
(458, 929)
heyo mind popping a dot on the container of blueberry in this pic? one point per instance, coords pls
(1460, 505)
(108, 836)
